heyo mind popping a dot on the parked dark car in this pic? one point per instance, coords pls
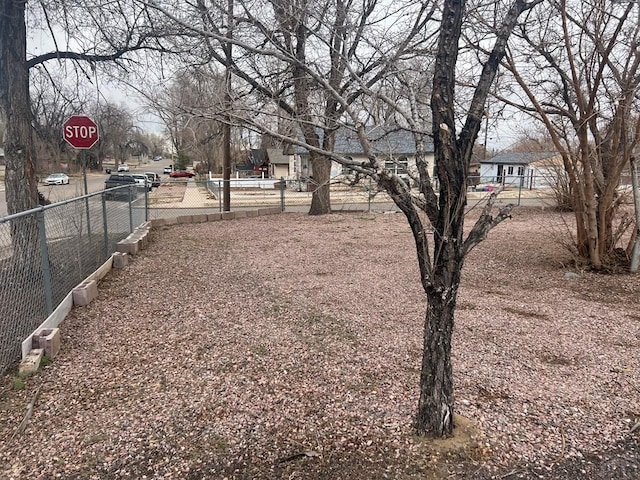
(120, 180)
(154, 178)
(181, 174)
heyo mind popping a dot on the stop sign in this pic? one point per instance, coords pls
(80, 131)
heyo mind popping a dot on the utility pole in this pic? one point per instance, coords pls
(226, 134)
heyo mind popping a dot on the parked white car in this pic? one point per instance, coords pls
(56, 179)
(154, 178)
(142, 181)
(123, 167)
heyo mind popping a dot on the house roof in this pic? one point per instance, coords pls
(276, 156)
(518, 158)
(385, 140)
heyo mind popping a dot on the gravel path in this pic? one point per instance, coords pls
(289, 347)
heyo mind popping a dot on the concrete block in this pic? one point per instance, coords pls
(228, 215)
(264, 211)
(213, 217)
(251, 213)
(200, 218)
(48, 339)
(241, 214)
(144, 226)
(141, 237)
(120, 260)
(129, 246)
(158, 222)
(84, 293)
(140, 232)
(185, 219)
(171, 221)
(275, 210)
(31, 362)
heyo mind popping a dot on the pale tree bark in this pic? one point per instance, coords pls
(16, 108)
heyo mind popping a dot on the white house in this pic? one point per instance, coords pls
(282, 163)
(529, 170)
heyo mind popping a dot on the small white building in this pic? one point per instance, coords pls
(282, 164)
(526, 169)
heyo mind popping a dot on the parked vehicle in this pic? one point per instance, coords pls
(120, 180)
(181, 174)
(123, 167)
(142, 180)
(154, 178)
(167, 169)
(56, 179)
(157, 158)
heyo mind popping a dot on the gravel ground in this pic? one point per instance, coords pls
(289, 347)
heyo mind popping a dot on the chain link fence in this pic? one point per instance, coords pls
(191, 197)
(46, 252)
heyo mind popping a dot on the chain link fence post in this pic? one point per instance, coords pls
(44, 262)
(130, 208)
(146, 203)
(105, 226)
(282, 185)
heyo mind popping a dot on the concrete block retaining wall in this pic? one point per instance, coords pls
(46, 338)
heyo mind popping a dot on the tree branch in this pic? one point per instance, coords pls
(485, 223)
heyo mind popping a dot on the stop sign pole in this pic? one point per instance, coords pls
(81, 132)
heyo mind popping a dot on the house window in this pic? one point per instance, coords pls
(520, 171)
(403, 165)
(510, 170)
(397, 167)
(389, 166)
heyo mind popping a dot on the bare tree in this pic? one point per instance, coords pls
(184, 107)
(285, 52)
(578, 74)
(100, 31)
(53, 102)
(117, 132)
(315, 51)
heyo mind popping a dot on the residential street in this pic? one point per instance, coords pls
(95, 183)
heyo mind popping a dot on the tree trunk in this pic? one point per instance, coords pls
(15, 108)
(436, 402)
(320, 200)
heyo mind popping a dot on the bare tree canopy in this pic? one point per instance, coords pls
(303, 63)
(575, 70)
